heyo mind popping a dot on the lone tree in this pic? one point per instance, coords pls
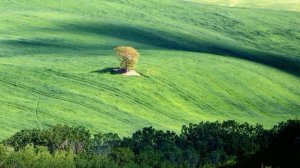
(128, 57)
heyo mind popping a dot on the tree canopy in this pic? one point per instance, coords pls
(207, 144)
(128, 57)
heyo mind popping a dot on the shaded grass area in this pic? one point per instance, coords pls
(185, 42)
(148, 38)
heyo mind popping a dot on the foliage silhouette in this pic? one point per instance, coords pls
(207, 144)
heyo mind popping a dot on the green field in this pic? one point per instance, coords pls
(289, 5)
(199, 62)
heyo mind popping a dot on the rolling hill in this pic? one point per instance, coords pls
(288, 5)
(198, 61)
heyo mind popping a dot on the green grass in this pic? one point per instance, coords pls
(199, 62)
(288, 5)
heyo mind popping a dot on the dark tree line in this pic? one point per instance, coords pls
(207, 144)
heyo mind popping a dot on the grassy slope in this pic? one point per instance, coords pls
(289, 5)
(195, 62)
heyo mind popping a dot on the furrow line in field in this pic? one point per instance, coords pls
(65, 121)
(15, 105)
(21, 107)
(232, 92)
(66, 100)
(116, 92)
(179, 90)
(184, 94)
(172, 84)
(107, 89)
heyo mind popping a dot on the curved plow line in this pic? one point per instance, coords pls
(66, 100)
(232, 92)
(123, 94)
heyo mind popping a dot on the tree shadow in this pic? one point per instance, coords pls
(109, 70)
(154, 38)
(114, 71)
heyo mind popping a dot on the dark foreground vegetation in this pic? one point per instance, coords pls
(207, 144)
